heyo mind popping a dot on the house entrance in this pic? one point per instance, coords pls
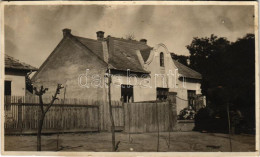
(127, 93)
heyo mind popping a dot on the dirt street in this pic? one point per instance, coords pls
(100, 142)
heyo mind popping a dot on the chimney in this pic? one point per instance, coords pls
(100, 35)
(66, 32)
(144, 41)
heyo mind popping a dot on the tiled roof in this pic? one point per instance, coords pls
(123, 54)
(146, 53)
(94, 45)
(12, 63)
(186, 71)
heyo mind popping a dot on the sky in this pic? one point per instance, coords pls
(32, 32)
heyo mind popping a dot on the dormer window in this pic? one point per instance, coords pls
(161, 59)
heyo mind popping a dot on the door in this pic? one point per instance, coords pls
(127, 93)
(191, 98)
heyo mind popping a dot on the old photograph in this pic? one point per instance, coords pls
(129, 77)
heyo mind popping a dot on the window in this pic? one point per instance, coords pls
(8, 93)
(162, 93)
(161, 59)
(191, 98)
(127, 93)
(8, 88)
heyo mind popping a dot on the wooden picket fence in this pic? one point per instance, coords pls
(147, 117)
(79, 115)
(23, 118)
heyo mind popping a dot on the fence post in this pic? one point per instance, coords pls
(20, 115)
(99, 118)
(172, 114)
(158, 127)
(123, 105)
(172, 102)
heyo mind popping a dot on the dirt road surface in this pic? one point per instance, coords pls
(101, 142)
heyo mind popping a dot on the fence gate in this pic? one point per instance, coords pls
(147, 117)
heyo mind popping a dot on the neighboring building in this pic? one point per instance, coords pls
(15, 73)
(81, 65)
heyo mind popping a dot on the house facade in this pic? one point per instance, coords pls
(15, 76)
(139, 72)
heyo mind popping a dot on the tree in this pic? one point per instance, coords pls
(228, 73)
(130, 36)
(206, 58)
(181, 58)
(240, 76)
(114, 144)
(43, 110)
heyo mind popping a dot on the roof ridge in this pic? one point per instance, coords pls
(87, 38)
(126, 40)
(116, 38)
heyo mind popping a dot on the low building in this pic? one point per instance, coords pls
(15, 76)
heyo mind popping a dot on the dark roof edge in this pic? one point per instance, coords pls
(23, 69)
(141, 72)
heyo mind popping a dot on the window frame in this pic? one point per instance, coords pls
(162, 94)
(125, 93)
(5, 85)
(161, 59)
(7, 95)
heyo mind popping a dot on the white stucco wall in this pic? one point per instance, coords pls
(146, 90)
(171, 76)
(182, 94)
(18, 84)
(141, 90)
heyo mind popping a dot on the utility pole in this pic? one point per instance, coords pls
(110, 111)
(230, 142)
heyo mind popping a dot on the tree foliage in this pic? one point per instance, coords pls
(205, 57)
(228, 71)
(130, 36)
(181, 58)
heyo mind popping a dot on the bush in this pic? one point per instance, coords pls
(210, 121)
(186, 114)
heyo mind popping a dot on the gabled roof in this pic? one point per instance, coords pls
(125, 54)
(122, 54)
(94, 45)
(12, 63)
(186, 71)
